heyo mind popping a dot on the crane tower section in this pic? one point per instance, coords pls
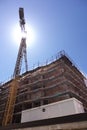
(9, 109)
(22, 19)
(22, 49)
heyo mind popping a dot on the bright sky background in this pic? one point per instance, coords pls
(57, 24)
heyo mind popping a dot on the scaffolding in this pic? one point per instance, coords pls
(53, 82)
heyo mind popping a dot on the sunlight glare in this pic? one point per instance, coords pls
(30, 35)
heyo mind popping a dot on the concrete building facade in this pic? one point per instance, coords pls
(53, 82)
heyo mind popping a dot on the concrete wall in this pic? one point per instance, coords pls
(67, 126)
(61, 108)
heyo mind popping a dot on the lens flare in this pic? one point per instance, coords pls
(29, 34)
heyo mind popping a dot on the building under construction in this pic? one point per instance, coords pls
(56, 81)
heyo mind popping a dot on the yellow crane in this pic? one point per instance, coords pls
(9, 109)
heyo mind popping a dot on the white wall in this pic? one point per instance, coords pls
(85, 80)
(61, 108)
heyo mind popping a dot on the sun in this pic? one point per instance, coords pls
(30, 35)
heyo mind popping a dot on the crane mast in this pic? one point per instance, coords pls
(13, 86)
(22, 52)
(22, 49)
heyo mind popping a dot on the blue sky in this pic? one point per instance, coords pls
(58, 25)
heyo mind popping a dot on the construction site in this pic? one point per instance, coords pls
(59, 81)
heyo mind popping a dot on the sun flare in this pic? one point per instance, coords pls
(18, 34)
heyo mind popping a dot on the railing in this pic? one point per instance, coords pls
(50, 60)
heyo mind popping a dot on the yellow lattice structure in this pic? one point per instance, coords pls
(9, 109)
(8, 114)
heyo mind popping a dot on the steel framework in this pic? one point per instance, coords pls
(9, 109)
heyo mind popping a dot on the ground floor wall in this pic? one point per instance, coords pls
(66, 126)
(71, 122)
